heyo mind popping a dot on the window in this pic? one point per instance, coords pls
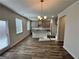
(18, 26)
(4, 35)
(28, 25)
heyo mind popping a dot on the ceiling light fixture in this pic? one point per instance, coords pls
(42, 17)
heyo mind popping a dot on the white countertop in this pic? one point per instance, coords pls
(40, 28)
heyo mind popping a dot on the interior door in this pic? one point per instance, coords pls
(4, 34)
(61, 31)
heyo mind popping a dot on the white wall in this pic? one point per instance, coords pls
(54, 28)
(71, 39)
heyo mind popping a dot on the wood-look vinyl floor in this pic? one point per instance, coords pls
(34, 49)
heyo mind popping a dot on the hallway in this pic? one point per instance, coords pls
(43, 19)
(33, 49)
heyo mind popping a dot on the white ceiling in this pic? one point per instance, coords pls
(32, 8)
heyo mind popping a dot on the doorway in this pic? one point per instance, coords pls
(4, 34)
(61, 30)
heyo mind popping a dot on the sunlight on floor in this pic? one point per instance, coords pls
(46, 39)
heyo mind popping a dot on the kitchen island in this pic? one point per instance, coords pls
(40, 32)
